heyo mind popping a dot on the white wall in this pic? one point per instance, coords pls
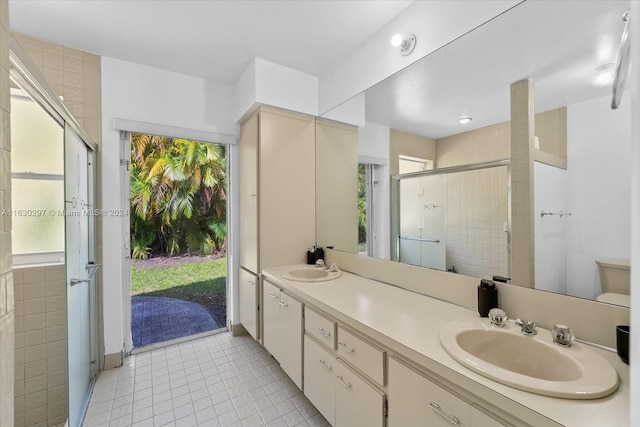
(598, 190)
(264, 82)
(550, 184)
(136, 92)
(435, 23)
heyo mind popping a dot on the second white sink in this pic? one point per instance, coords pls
(530, 363)
(311, 274)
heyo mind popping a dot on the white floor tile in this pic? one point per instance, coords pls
(214, 381)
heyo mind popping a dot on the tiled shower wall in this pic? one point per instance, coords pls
(6, 275)
(40, 346)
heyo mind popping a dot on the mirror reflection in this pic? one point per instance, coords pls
(579, 154)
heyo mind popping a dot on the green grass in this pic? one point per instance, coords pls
(201, 282)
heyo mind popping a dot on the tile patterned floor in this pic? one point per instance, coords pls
(158, 319)
(218, 380)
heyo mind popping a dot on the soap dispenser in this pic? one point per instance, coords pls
(487, 297)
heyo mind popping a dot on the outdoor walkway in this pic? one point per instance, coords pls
(157, 319)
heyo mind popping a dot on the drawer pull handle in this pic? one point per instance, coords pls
(345, 347)
(283, 304)
(341, 381)
(252, 282)
(274, 296)
(325, 366)
(324, 333)
(436, 408)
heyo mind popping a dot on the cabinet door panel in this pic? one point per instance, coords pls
(319, 379)
(480, 419)
(415, 400)
(248, 194)
(357, 402)
(271, 318)
(248, 307)
(287, 188)
(290, 338)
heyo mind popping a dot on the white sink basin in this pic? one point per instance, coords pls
(530, 363)
(311, 274)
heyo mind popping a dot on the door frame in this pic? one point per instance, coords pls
(126, 128)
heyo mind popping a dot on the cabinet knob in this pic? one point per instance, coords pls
(283, 304)
(274, 296)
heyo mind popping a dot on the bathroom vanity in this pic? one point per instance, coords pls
(368, 353)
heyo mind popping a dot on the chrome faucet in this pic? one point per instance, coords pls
(527, 328)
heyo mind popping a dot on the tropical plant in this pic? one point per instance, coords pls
(362, 203)
(178, 196)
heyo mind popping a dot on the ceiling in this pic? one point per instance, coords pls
(556, 44)
(214, 40)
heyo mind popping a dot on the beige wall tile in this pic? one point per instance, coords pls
(56, 303)
(32, 385)
(57, 379)
(73, 94)
(57, 348)
(33, 275)
(56, 333)
(55, 273)
(34, 322)
(56, 363)
(56, 288)
(56, 318)
(35, 400)
(32, 338)
(32, 291)
(72, 53)
(18, 276)
(34, 306)
(36, 352)
(57, 412)
(72, 65)
(53, 76)
(52, 60)
(35, 369)
(72, 79)
(35, 416)
(57, 394)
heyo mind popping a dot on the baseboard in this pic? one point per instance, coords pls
(113, 360)
(237, 330)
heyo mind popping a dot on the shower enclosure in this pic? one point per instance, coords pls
(455, 219)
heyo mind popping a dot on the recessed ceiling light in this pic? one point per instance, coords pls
(464, 120)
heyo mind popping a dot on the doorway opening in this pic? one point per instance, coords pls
(178, 237)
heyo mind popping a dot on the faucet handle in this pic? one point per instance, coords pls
(498, 317)
(527, 328)
(562, 335)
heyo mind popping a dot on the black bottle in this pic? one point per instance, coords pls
(487, 297)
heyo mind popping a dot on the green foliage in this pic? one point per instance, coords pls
(362, 203)
(178, 196)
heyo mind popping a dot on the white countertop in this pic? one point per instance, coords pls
(409, 323)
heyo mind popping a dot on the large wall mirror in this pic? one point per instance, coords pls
(460, 169)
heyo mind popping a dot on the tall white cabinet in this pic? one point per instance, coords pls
(277, 200)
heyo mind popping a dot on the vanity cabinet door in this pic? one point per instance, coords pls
(248, 298)
(415, 400)
(319, 379)
(357, 402)
(290, 338)
(282, 330)
(270, 317)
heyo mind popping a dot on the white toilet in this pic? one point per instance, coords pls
(615, 279)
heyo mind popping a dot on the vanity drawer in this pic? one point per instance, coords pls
(321, 328)
(361, 354)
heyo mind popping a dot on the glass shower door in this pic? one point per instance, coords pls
(80, 270)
